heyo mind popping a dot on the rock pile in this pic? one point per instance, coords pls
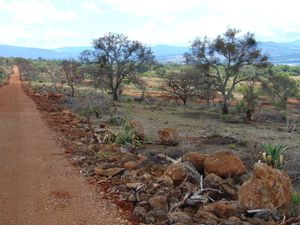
(194, 192)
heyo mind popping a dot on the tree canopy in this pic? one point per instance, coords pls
(223, 59)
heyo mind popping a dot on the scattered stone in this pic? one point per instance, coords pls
(214, 181)
(140, 212)
(131, 165)
(165, 181)
(224, 164)
(159, 202)
(206, 218)
(196, 159)
(267, 188)
(221, 209)
(139, 129)
(180, 217)
(131, 198)
(108, 172)
(168, 136)
(133, 185)
(178, 172)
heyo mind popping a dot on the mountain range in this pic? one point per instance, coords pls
(279, 53)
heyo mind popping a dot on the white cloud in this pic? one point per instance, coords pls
(269, 20)
(92, 7)
(35, 11)
(153, 7)
(69, 22)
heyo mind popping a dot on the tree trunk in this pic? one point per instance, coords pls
(249, 114)
(72, 90)
(184, 101)
(115, 95)
(225, 105)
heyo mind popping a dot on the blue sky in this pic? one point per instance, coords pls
(57, 23)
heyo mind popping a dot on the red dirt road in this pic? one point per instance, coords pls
(37, 184)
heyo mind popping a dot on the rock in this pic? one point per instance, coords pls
(131, 165)
(157, 215)
(267, 188)
(234, 219)
(196, 159)
(108, 172)
(221, 209)
(180, 217)
(139, 129)
(159, 202)
(178, 172)
(142, 158)
(140, 212)
(133, 185)
(214, 181)
(224, 164)
(168, 136)
(204, 217)
(131, 198)
(165, 181)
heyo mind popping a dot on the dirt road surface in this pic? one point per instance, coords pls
(37, 184)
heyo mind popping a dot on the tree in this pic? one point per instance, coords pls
(52, 69)
(140, 84)
(183, 84)
(72, 73)
(26, 68)
(250, 103)
(281, 87)
(223, 58)
(90, 68)
(118, 57)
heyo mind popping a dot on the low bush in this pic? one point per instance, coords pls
(127, 137)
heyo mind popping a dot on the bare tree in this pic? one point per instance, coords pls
(223, 58)
(183, 84)
(72, 73)
(118, 57)
(139, 84)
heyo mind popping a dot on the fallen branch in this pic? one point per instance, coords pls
(163, 156)
(181, 203)
(200, 196)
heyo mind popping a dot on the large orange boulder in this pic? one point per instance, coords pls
(224, 164)
(168, 136)
(178, 172)
(196, 159)
(267, 188)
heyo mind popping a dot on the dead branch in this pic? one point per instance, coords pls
(163, 156)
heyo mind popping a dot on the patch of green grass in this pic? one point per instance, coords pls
(232, 146)
(127, 137)
(273, 155)
(296, 198)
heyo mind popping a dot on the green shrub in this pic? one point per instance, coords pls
(116, 120)
(127, 137)
(296, 198)
(232, 146)
(273, 155)
(295, 205)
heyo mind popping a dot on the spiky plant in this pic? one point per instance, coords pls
(273, 155)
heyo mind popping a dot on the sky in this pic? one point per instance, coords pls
(60, 23)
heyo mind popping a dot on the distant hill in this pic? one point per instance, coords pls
(279, 53)
(34, 53)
